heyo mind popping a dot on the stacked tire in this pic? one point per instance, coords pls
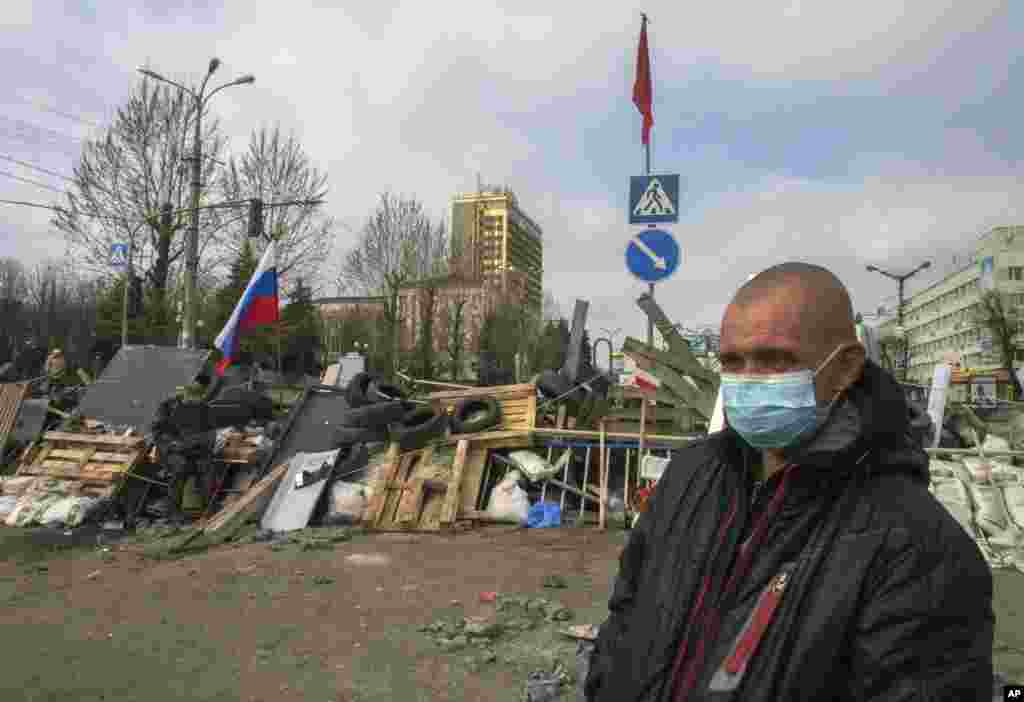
(379, 412)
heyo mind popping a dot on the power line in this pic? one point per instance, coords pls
(67, 115)
(31, 182)
(34, 167)
(52, 132)
(39, 205)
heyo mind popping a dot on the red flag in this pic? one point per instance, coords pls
(642, 93)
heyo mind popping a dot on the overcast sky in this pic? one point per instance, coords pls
(839, 133)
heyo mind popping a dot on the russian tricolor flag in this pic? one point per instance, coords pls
(258, 306)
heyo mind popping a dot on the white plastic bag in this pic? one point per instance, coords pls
(80, 510)
(346, 504)
(30, 508)
(508, 500)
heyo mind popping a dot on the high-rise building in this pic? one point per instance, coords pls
(492, 236)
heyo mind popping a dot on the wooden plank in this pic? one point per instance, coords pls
(376, 504)
(127, 441)
(574, 354)
(11, 397)
(85, 455)
(410, 504)
(602, 515)
(451, 500)
(679, 350)
(472, 477)
(699, 399)
(498, 392)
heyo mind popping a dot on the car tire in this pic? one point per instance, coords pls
(418, 428)
(376, 415)
(378, 391)
(349, 436)
(356, 392)
(552, 384)
(475, 414)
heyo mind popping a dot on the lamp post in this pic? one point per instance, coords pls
(900, 329)
(199, 99)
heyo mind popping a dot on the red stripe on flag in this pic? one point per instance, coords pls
(643, 94)
(261, 310)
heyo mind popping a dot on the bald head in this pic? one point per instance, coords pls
(817, 300)
(790, 317)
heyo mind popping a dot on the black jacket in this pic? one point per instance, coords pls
(884, 597)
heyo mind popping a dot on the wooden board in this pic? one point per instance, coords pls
(450, 510)
(107, 439)
(518, 403)
(472, 478)
(11, 396)
(83, 457)
(378, 501)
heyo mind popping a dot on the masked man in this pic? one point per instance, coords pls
(797, 554)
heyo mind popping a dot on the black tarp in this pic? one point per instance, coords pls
(137, 380)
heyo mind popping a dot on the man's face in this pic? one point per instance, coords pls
(775, 334)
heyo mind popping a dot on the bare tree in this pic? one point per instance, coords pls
(455, 334)
(1002, 319)
(277, 169)
(124, 177)
(399, 244)
(13, 311)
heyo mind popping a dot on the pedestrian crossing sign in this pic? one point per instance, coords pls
(119, 255)
(654, 199)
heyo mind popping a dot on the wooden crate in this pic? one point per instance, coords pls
(518, 403)
(240, 449)
(11, 396)
(95, 460)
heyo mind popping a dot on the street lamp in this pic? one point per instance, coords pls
(199, 99)
(900, 329)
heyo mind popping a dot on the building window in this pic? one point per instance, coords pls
(1015, 272)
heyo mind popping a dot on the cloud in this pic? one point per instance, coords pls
(844, 133)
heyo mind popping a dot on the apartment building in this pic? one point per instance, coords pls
(940, 320)
(491, 235)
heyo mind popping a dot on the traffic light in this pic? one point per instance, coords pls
(135, 297)
(255, 217)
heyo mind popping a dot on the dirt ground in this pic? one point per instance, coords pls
(303, 621)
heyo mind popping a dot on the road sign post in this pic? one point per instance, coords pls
(121, 259)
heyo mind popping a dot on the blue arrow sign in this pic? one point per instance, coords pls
(654, 199)
(652, 255)
(119, 255)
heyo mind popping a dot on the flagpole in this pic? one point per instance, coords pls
(647, 171)
(277, 327)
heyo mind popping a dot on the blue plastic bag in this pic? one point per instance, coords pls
(543, 515)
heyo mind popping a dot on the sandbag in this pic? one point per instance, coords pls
(534, 467)
(995, 443)
(58, 512)
(509, 501)
(1013, 497)
(7, 505)
(81, 510)
(955, 498)
(346, 504)
(29, 509)
(990, 513)
(941, 469)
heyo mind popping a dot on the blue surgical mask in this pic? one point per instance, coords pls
(777, 410)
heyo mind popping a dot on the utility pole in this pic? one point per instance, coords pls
(199, 100)
(901, 281)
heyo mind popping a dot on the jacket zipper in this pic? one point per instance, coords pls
(734, 667)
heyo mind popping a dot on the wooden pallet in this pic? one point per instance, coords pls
(518, 403)
(11, 396)
(96, 461)
(417, 492)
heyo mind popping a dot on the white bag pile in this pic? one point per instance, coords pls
(987, 498)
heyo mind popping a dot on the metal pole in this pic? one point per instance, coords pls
(192, 246)
(650, 286)
(129, 275)
(903, 331)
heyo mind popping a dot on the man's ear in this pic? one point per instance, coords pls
(851, 366)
